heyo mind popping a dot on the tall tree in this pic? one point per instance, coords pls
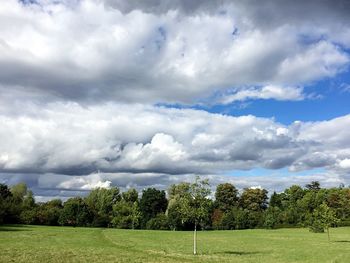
(131, 195)
(28, 213)
(314, 185)
(18, 201)
(254, 199)
(175, 193)
(5, 196)
(226, 196)
(152, 203)
(275, 200)
(4, 191)
(178, 190)
(100, 202)
(126, 212)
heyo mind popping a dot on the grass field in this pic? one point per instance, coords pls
(65, 244)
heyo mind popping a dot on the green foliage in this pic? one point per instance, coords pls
(229, 220)
(4, 191)
(180, 190)
(49, 213)
(75, 212)
(276, 200)
(152, 203)
(100, 202)
(29, 217)
(126, 215)
(272, 217)
(226, 196)
(313, 186)
(174, 215)
(160, 222)
(5, 197)
(322, 218)
(293, 194)
(28, 201)
(254, 199)
(217, 219)
(194, 207)
(316, 226)
(130, 196)
(174, 211)
(242, 219)
(188, 207)
(19, 191)
(16, 203)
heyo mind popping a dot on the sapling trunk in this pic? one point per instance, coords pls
(328, 234)
(195, 239)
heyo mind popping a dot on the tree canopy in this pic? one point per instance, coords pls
(187, 206)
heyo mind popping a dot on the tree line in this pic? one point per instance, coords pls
(185, 206)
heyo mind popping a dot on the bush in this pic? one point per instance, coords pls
(242, 219)
(160, 222)
(124, 222)
(100, 221)
(29, 217)
(216, 219)
(271, 218)
(316, 227)
(228, 221)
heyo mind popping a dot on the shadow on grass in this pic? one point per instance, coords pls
(342, 241)
(12, 228)
(238, 253)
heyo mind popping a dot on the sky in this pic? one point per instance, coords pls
(102, 93)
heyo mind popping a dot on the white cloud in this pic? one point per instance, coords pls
(319, 60)
(87, 51)
(70, 139)
(84, 183)
(266, 92)
(345, 164)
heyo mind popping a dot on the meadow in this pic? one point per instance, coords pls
(68, 244)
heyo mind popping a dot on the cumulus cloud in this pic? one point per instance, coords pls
(67, 138)
(345, 164)
(166, 51)
(84, 183)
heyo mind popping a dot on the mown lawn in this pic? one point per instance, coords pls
(66, 244)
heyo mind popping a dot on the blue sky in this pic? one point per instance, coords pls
(95, 93)
(332, 99)
(328, 98)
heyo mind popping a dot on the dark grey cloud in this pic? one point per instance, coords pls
(49, 186)
(160, 6)
(268, 10)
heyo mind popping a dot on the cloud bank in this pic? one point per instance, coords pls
(71, 140)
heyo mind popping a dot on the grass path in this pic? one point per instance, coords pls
(65, 244)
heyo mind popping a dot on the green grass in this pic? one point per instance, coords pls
(65, 244)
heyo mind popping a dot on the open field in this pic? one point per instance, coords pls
(65, 244)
